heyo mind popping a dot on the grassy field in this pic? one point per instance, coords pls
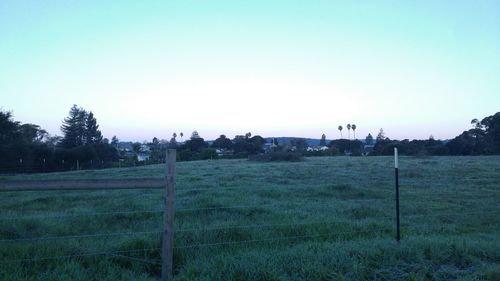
(328, 218)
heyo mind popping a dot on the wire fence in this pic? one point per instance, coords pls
(261, 232)
(495, 213)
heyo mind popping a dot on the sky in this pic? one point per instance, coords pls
(274, 68)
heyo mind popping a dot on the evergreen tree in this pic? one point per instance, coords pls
(73, 127)
(115, 141)
(92, 133)
(369, 139)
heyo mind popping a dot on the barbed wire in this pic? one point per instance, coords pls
(150, 261)
(78, 255)
(325, 222)
(181, 210)
(90, 235)
(94, 235)
(272, 239)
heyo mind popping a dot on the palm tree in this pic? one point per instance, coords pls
(182, 134)
(354, 130)
(340, 129)
(349, 131)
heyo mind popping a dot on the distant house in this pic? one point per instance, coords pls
(145, 148)
(221, 152)
(141, 156)
(367, 149)
(316, 148)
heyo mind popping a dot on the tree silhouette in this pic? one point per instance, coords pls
(475, 122)
(340, 129)
(181, 134)
(381, 135)
(354, 130)
(73, 127)
(195, 135)
(349, 131)
(92, 135)
(322, 142)
(369, 139)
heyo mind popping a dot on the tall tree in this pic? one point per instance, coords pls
(369, 139)
(196, 143)
(173, 142)
(340, 129)
(222, 142)
(381, 135)
(354, 130)
(195, 135)
(92, 133)
(114, 141)
(32, 133)
(8, 128)
(322, 142)
(73, 127)
(349, 131)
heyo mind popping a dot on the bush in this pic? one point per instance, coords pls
(276, 156)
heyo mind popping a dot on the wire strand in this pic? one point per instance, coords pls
(79, 255)
(80, 236)
(270, 239)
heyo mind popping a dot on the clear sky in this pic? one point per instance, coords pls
(274, 68)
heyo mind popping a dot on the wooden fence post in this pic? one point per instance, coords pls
(168, 219)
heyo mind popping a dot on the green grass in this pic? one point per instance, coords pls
(337, 212)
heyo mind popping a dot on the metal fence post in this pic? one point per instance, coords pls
(168, 219)
(396, 173)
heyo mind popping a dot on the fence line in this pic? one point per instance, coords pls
(94, 235)
(188, 209)
(150, 261)
(271, 239)
(78, 255)
(319, 222)
(225, 243)
(90, 235)
(93, 184)
(180, 210)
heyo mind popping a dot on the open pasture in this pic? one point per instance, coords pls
(325, 218)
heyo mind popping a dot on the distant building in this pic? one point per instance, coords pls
(221, 152)
(367, 149)
(141, 156)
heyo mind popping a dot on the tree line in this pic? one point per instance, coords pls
(28, 147)
(196, 148)
(482, 139)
